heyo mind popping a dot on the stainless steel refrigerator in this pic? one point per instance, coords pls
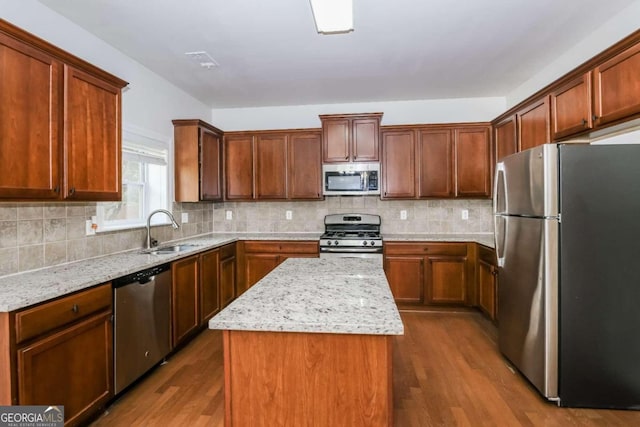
(567, 224)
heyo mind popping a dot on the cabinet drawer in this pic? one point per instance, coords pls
(425, 248)
(228, 251)
(49, 316)
(301, 247)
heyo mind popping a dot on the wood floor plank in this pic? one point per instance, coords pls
(447, 372)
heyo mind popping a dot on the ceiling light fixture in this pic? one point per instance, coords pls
(333, 16)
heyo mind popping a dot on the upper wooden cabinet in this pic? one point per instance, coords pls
(399, 162)
(435, 153)
(533, 124)
(436, 161)
(473, 162)
(198, 161)
(350, 137)
(60, 123)
(270, 152)
(571, 107)
(305, 166)
(617, 87)
(505, 138)
(238, 167)
(273, 165)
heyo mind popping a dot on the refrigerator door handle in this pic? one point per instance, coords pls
(500, 190)
(500, 225)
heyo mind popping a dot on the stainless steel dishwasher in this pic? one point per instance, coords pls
(142, 317)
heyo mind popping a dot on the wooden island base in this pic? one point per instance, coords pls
(307, 379)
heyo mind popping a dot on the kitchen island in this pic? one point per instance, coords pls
(311, 344)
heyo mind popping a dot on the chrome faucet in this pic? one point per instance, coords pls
(153, 242)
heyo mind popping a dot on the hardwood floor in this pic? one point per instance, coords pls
(447, 372)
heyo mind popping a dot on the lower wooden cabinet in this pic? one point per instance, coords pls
(228, 270)
(260, 257)
(428, 273)
(184, 299)
(60, 353)
(209, 285)
(488, 282)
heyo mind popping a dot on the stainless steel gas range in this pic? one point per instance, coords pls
(351, 235)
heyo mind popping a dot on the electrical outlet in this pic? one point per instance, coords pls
(465, 214)
(288, 215)
(229, 215)
(185, 217)
(403, 215)
(89, 229)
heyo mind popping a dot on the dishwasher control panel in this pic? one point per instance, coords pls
(140, 276)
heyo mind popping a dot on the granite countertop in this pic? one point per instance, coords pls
(486, 239)
(335, 295)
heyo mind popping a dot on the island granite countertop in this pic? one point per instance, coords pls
(334, 295)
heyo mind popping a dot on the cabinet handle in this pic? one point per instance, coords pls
(75, 308)
(584, 122)
(56, 189)
(72, 190)
(594, 117)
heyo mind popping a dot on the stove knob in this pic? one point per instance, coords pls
(373, 243)
(364, 243)
(329, 243)
(335, 242)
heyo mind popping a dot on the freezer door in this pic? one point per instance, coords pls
(526, 183)
(527, 299)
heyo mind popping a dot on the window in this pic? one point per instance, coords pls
(145, 184)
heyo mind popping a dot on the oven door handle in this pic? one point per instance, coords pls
(364, 250)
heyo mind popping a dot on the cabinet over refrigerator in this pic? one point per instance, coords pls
(567, 221)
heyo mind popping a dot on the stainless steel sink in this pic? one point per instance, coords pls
(169, 249)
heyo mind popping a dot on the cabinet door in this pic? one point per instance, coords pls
(398, 164)
(92, 142)
(505, 138)
(473, 162)
(30, 85)
(336, 137)
(365, 142)
(305, 166)
(617, 87)
(72, 368)
(571, 108)
(227, 281)
(209, 285)
(271, 166)
(184, 298)
(487, 288)
(257, 266)
(211, 166)
(238, 167)
(533, 125)
(435, 151)
(406, 279)
(446, 280)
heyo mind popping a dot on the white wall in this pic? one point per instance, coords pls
(609, 33)
(395, 113)
(148, 103)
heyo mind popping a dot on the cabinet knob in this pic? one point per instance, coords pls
(584, 122)
(56, 189)
(594, 117)
(75, 308)
(72, 190)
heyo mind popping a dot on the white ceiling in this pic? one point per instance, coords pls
(270, 53)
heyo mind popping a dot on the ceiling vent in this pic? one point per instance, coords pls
(203, 59)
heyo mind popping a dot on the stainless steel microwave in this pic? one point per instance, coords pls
(351, 179)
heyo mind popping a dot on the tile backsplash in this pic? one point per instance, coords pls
(37, 235)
